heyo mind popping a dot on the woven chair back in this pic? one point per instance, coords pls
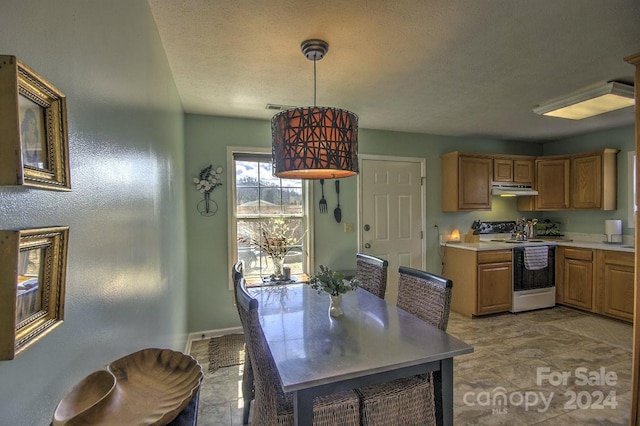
(371, 271)
(269, 397)
(237, 273)
(425, 295)
(248, 387)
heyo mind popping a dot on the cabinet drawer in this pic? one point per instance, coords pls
(494, 256)
(619, 258)
(578, 254)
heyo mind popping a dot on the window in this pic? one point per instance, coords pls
(266, 209)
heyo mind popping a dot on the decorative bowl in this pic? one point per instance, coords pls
(148, 387)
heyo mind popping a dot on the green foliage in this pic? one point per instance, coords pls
(332, 282)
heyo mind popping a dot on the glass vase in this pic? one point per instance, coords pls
(335, 307)
(278, 264)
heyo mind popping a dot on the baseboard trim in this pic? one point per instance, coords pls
(208, 334)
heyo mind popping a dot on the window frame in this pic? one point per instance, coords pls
(232, 237)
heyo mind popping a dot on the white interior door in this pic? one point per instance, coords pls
(393, 214)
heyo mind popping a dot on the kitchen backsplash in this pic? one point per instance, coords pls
(546, 228)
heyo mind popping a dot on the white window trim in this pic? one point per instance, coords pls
(232, 237)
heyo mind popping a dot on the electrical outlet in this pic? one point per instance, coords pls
(348, 228)
(565, 220)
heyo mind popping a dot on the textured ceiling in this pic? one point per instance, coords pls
(449, 67)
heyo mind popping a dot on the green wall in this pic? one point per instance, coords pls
(126, 276)
(206, 139)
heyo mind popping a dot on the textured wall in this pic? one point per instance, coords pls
(126, 278)
(206, 140)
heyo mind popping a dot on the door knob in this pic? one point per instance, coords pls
(367, 227)
(367, 245)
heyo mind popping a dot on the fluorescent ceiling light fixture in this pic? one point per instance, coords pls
(590, 101)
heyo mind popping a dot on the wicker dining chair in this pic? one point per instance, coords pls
(371, 271)
(410, 400)
(271, 405)
(247, 373)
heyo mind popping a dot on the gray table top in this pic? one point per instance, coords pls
(310, 348)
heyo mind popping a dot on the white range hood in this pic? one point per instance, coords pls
(512, 190)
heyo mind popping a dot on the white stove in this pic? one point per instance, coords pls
(532, 288)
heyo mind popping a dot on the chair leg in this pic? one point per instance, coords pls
(247, 389)
(245, 411)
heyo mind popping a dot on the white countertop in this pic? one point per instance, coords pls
(494, 245)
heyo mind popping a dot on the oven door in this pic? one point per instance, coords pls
(526, 279)
(533, 289)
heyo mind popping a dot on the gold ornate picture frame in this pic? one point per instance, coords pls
(32, 286)
(34, 147)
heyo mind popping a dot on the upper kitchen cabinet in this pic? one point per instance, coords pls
(552, 183)
(593, 180)
(514, 170)
(466, 181)
(585, 181)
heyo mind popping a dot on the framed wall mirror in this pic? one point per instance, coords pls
(32, 286)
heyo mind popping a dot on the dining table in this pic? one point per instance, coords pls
(374, 341)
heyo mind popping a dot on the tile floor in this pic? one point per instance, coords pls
(514, 376)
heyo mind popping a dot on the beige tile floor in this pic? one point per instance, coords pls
(514, 376)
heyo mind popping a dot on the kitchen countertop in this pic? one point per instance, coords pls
(495, 245)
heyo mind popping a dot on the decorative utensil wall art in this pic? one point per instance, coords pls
(337, 213)
(208, 180)
(323, 202)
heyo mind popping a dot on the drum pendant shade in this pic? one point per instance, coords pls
(314, 142)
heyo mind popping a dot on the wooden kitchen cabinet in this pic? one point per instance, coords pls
(466, 181)
(482, 280)
(614, 284)
(578, 277)
(585, 181)
(593, 180)
(502, 170)
(495, 281)
(552, 183)
(514, 170)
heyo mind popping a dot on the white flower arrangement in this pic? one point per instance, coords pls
(209, 179)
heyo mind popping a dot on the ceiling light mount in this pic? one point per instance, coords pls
(314, 49)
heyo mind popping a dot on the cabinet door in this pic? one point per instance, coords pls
(552, 182)
(475, 183)
(617, 285)
(586, 182)
(494, 287)
(578, 283)
(502, 170)
(523, 171)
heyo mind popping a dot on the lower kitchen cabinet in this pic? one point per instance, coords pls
(495, 281)
(614, 293)
(599, 281)
(578, 278)
(482, 280)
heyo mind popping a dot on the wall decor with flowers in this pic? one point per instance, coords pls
(208, 180)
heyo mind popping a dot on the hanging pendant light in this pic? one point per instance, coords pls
(314, 142)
